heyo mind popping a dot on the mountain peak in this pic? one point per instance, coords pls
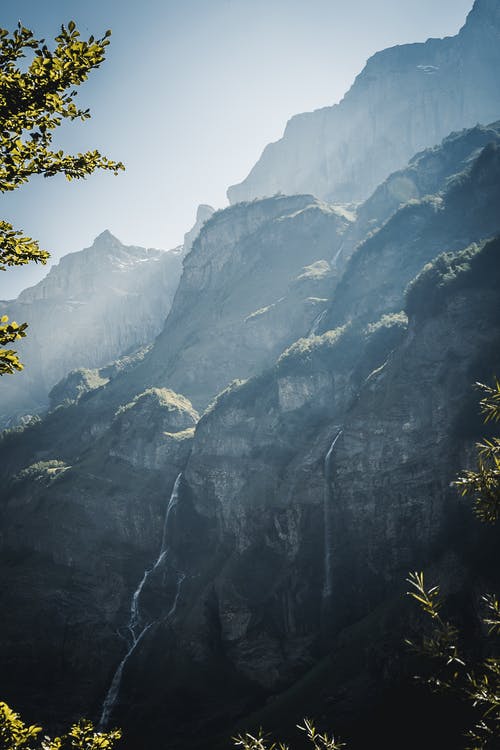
(444, 85)
(203, 213)
(484, 11)
(106, 238)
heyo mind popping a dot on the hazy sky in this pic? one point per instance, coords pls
(190, 93)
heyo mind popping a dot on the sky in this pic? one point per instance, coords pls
(188, 97)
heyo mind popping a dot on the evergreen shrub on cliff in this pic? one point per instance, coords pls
(449, 273)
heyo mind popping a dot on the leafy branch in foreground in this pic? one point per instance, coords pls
(9, 361)
(318, 741)
(34, 100)
(16, 735)
(483, 485)
(475, 682)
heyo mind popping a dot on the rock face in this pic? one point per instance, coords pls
(203, 214)
(427, 173)
(154, 430)
(255, 279)
(294, 552)
(406, 99)
(379, 270)
(261, 548)
(92, 307)
(90, 529)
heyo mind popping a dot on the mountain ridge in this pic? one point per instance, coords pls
(406, 98)
(104, 301)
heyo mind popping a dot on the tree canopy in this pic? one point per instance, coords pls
(16, 735)
(35, 98)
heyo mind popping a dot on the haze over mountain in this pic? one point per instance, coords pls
(275, 58)
(245, 584)
(407, 98)
(92, 307)
(214, 535)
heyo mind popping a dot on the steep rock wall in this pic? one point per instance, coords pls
(406, 99)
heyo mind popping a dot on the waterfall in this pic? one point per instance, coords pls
(136, 629)
(316, 322)
(336, 257)
(327, 512)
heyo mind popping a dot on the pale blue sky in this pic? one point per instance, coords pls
(190, 93)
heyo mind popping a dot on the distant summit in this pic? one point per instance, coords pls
(106, 238)
(485, 11)
(94, 306)
(406, 99)
(203, 213)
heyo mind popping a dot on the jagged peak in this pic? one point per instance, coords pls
(106, 237)
(204, 212)
(484, 12)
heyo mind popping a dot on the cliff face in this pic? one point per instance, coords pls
(255, 281)
(380, 268)
(302, 549)
(90, 528)
(93, 306)
(200, 569)
(406, 99)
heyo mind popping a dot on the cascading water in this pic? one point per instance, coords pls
(316, 322)
(327, 512)
(337, 254)
(135, 627)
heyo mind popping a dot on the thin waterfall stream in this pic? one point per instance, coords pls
(327, 511)
(316, 323)
(136, 630)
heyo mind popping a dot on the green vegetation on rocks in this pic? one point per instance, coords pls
(449, 273)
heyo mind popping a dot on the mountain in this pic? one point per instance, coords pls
(92, 307)
(255, 278)
(245, 566)
(294, 592)
(381, 267)
(407, 98)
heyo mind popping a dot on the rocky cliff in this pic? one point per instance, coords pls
(76, 537)
(201, 569)
(254, 281)
(302, 549)
(406, 99)
(378, 271)
(307, 550)
(93, 306)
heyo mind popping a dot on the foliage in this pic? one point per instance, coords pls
(476, 682)
(159, 397)
(483, 485)
(9, 332)
(75, 385)
(317, 352)
(318, 741)
(451, 272)
(34, 100)
(389, 320)
(41, 471)
(16, 735)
